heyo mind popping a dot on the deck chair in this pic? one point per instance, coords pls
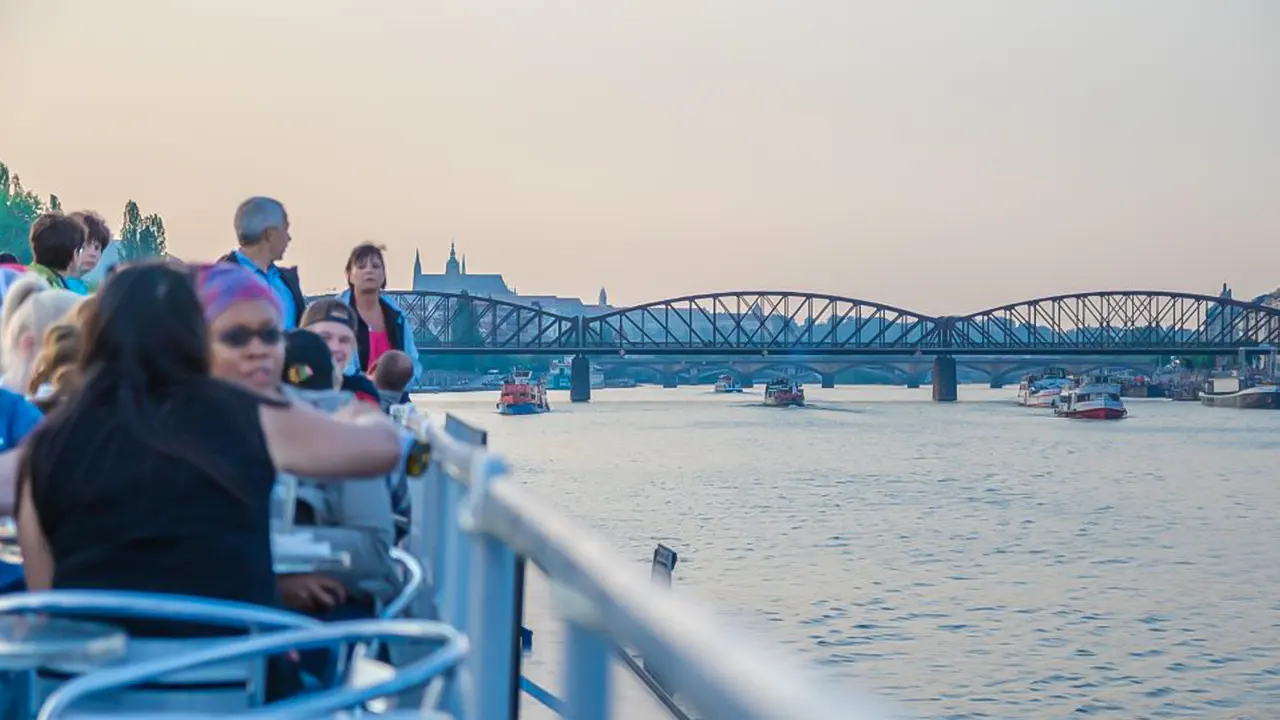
(221, 688)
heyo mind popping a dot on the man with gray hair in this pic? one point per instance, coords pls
(262, 229)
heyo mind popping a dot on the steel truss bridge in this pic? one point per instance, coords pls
(1124, 322)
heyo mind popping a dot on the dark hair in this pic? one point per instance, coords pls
(8, 257)
(367, 251)
(143, 345)
(55, 238)
(328, 310)
(96, 230)
(393, 371)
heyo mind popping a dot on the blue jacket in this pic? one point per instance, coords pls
(399, 332)
(17, 418)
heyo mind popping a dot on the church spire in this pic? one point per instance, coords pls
(604, 298)
(464, 263)
(417, 265)
(451, 267)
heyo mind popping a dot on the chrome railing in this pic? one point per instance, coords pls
(471, 523)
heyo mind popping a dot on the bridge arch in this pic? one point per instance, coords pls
(1118, 321)
(459, 322)
(760, 320)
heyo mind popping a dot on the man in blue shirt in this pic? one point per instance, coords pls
(262, 229)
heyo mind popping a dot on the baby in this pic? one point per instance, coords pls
(391, 375)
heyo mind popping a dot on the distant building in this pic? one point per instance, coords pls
(456, 279)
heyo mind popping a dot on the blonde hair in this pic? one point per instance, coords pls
(30, 307)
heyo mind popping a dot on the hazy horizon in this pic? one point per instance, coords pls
(942, 157)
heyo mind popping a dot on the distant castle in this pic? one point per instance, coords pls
(456, 279)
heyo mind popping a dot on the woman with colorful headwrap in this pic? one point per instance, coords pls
(246, 340)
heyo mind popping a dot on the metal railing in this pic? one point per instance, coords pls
(471, 524)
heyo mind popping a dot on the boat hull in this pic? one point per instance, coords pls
(522, 409)
(1245, 400)
(784, 400)
(729, 390)
(1099, 413)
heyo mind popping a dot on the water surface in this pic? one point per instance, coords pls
(970, 560)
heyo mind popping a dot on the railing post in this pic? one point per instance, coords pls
(587, 657)
(494, 631)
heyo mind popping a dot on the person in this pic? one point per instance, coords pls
(18, 418)
(391, 377)
(8, 258)
(354, 516)
(381, 326)
(246, 344)
(96, 239)
(157, 477)
(55, 241)
(30, 307)
(262, 229)
(335, 323)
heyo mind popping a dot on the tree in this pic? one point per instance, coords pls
(19, 208)
(55, 205)
(141, 236)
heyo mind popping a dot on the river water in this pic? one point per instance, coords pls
(969, 560)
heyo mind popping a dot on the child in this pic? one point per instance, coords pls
(392, 375)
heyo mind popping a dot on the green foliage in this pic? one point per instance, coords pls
(141, 236)
(19, 208)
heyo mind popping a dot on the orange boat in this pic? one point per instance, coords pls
(522, 395)
(782, 392)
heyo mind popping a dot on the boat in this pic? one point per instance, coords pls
(726, 384)
(1142, 387)
(783, 392)
(1042, 390)
(492, 380)
(522, 395)
(560, 375)
(1247, 393)
(1096, 398)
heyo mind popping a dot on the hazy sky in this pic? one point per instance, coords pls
(944, 156)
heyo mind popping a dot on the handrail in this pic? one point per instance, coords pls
(308, 706)
(127, 604)
(722, 675)
(412, 584)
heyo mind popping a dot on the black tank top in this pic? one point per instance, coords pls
(135, 518)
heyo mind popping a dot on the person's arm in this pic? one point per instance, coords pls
(306, 442)
(37, 559)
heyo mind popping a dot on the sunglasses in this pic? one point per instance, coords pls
(241, 335)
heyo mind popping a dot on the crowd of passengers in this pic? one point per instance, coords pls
(145, 422)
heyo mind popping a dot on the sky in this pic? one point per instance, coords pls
(941, 156)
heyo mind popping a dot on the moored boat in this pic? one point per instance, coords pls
(522, 395)
(783, 392)
(1093, 399)
(1245, 393)
(1042, 390)
(726, 384)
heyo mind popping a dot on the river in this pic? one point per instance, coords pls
(967, 560)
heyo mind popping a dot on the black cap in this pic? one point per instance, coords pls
(307, 362)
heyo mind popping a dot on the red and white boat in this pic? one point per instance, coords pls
(783, 392)
(1093, 399)
(522, 395)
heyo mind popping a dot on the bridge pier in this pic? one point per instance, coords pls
(670, 380)
(580, 379)
(944, 379)
(828, 380)
(996, 384)
(913, 382)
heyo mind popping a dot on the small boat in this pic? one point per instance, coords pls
(726, 384)
(522, 395)
(1093, 399)
(1042, 390)
(1245, 393)
(783, 392)
(560, 376)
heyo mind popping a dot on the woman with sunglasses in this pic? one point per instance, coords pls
(246, 342)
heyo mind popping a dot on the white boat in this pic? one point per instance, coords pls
(1248, 393)
(726, 384)
(1096, 398)
(1042, 390)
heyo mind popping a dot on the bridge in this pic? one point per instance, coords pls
(789, 324)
